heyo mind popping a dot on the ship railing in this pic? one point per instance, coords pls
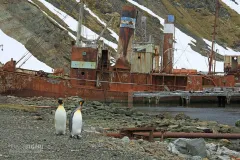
(148, 86)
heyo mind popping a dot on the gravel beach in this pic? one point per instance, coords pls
(27, 132)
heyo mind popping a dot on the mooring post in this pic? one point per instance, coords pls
(228, 99)
(157, 100)
(182, 101)
(149, 100)
(187, 98)
(219, 101)
(223, 101)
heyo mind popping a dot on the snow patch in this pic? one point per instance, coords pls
(114, 34)
(147, 10)
(14, 49)
(221, 50)
(185, 57)
(233, 4)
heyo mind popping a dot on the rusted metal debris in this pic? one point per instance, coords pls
(151, 133)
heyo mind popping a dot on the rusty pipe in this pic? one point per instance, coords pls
(115, 135)
(181, 135)
(201, 135)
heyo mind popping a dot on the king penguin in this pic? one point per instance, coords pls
(60, 118)
(75, 121)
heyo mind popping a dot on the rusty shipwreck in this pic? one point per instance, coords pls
(139, 67)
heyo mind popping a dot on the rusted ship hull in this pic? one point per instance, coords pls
(28, 85)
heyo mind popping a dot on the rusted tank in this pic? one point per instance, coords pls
(126, 35)
(10, 66)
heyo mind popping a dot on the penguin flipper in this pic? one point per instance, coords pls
(70, 120)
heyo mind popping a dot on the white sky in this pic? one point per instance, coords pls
(14, 49)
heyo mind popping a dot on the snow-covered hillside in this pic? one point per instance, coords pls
(14, 49)
(72, 23)
(184, 56)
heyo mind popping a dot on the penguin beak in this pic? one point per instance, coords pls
(80, 103)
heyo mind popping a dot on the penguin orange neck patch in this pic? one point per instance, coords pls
(78, 111)
(61, 107)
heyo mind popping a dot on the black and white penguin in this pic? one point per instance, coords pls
(60, 118)
(75, 121)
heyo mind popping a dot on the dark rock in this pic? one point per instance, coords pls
(129, 113)
(139, 113)
(165, 115)
(99, 107)
(137, 124)
(53, 112)
(237, 124)
(37, 117)
(197, 147)
(113, 105)
(181, 116)
(96, 103)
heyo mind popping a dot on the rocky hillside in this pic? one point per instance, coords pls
(37, 27)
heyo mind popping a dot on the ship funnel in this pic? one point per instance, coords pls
(126, 36)
(168, 44)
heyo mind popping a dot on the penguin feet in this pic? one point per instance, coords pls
(71, 136)
(57, 134)
(60, 134)
(79, 136)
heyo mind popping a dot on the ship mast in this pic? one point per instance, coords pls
(212, 54)
(79, 29)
